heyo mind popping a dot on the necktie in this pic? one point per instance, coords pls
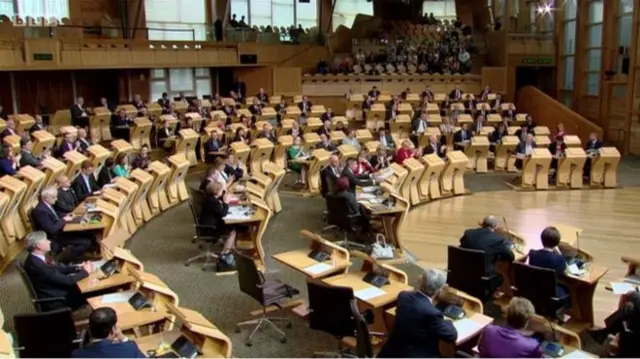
(86, 181)
(49, 261)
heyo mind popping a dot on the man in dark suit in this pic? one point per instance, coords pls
(327, 116)
(51, 280)
(329, 175)
(67, 200)
(106, 104)
(422, 325)
(281, 109)
(495, 247)
(106, 173)
(212, 145)
(79, 116)
(10, 130)
(592, 148)
(82, 144)
(385, 139)
(47, 219)
(456, 94)
(461, 138)
(354, 181)
(107, 340)
(266, 133)
(325, 129)
(240, 87)
(85, 184)
(305, 106)
(419, 127)
(262, 97)
(38, 126)
(26, 157)
(374, 93)
(435, 147)
(67, 145)
(326, 144)
(165, 103)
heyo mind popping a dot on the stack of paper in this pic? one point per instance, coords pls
(578, 354)
(365, 196)
(622, 287)
(369, 293)
(466, 327)
(369, 189)
(238, 212)
(118, 297)
(318, 268)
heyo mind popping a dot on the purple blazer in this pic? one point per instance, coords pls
(505, 342)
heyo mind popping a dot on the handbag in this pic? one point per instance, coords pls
(380, 249)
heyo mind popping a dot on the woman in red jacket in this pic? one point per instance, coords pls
(363, 166)
(405, 151)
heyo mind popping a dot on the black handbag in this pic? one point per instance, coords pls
(226, 262)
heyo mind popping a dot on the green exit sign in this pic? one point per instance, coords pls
(537, 61)
(42, 57)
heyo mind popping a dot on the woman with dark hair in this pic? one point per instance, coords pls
(105, 176)
(141, 161)
(241, 136)
(121, 168)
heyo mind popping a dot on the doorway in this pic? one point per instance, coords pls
(544, 78)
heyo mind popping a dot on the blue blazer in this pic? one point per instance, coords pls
(46, 221)
(419, 329)
(6, 167)
(109, 349)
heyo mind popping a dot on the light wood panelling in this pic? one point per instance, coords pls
(255, 78)
(608, 219)
(496, 78)
(287, 80)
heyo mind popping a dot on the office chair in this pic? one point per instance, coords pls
(543, 293)
(331, 311)
(467, 271)
(266, 291)
(364, 345)
(207, 235)
(46, 335)
(338, 216)
(35, 300)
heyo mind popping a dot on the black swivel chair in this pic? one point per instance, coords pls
(331, 311)
(265, 290)
(35, 339)
(207, 235)
(467, 271)
(35, 300)
(338, 217)
(543, 293)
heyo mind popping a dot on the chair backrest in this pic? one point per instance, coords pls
(196, 199)
(338, 211)
(37, 340)
(250, 278)
(364, 347)
(330, 308)
(27, 282)
(542, 293)
(466, 269)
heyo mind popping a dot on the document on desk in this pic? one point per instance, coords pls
(318, 268)
(238, 213)
(369, 293)
(574, 270)
(578, 354)
(119, 297)
(383, 175)
(466, 327)
(369, 189)
(622, 287)
(365, 196)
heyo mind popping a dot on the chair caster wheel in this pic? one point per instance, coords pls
(283, 340)
(249, 344)
(237, 330)
(289, 325)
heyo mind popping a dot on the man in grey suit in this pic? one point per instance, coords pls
(26, 157)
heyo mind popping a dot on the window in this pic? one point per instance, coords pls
(307, 14)
(282, 12)
(570, 37)
(193, 82)
(594, 59)
(593, 84)
(596, 12)
(625, 30)
(568, 73)
(240, 8)
(595, 36)
(570, 9)
(35, 8)
(260, 12)
(346, 10)
(173, 20)
(625, 6)
(440, 9)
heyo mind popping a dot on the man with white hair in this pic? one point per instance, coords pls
(47, 219)
(420, 326)
(52, 280)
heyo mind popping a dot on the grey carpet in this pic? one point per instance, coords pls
(164, 243)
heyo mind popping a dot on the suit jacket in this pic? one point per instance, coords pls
(301, 106)
(140, 162)
(496, 136)
(329, 146)
(423, 327)
(7, 132)
(269, 136)
(328, 179)
(415, 124)
(104, 176)
(352, 202)
(64, 148)
(382, 162)
(355, 181)
(163, 135)
(45, 220)
(593, 145)
(438, 151)
(36, 127)
(76, 115)
(494, 246)
(6, 167)
(454, 96)
(109, 349)
(326, 117)
(323, 131)
(165, 104)
(82, 145)
(520, 148)
(388, 139)
(213, 212)
(80, 187)
(457, 137)
(67, 201)
(28, 159)
(50, 281)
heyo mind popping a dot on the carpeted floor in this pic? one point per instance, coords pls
(164, 243)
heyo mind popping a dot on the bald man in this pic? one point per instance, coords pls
(329, 175)
(435, 147)
(67, 200)
(495, 246)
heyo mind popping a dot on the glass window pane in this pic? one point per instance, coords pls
(346, 10)
(440, 9)
(570, 9)
(6, 8)
(240, 8)
(568, 73)
(625, 29)
(171, 20)
(282, 13)
(157, 88)
(202, 72)
(181, 80)
(595, 36)
(625, 6)
(169, 31)
(619, 91)
(307, 14)
(594, 60)
(593, 84)
(203, 87)
(570, 37)
(260, 13)
(38, 8)
(157, 73)
(596, 12)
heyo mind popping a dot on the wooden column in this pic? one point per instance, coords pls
(633, 94)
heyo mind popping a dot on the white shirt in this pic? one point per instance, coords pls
(421, 126)
(528, 149)
(39, 256)
(383, 141)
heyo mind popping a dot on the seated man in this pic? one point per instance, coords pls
(436, 146)
(423, 325)
(85, 184)
(26, 157)
(46, 219)
(51, 280)
(592, 148)
(326, 144)
(354, 210)
(624, 326)
(67, 200)
(550, 257)
(66, 145)
(495, 247)
(461, 138)
(212, 148)
(82, 143)
(508, 341)
(105, 176)
(524, 150)
(107, 341)
(354, 180)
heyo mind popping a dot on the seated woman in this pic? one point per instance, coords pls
(141, 161)
(212, 147)
(241, 136)
(295, 130)
(105, 176)
(341, 127)
(351, 139)
(508, 341)
(121, 168)
(234, 167)
(166, 136)
(363, 166)
(296, 151)
(550, 257)
(214, 209)
(405, 151)
(381, 160)
(9, 163)
(219, 174)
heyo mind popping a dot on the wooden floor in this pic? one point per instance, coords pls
(610, 220)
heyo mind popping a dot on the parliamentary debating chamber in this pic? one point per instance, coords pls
(319, 178)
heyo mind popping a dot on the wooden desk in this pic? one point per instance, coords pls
(503, 159)
(13, 142)
(429, 183)
(176, 186)
(98, 156)
(271, 195)
(95, 283)
(128, 318)
(240, 151)
(121, 146)
(346, 152)
(299, 260)
(158, 198)
(604, 168)
(43, 141)
(391, 217)
(313, 124)
(572, 141)
(140, 205)
(12, 224)
(108, 216)
(139, 133)
(52, 168)
(398, 177)
(452, 179)
(541, 131)
(337, 136)
(258, 222)
(376, 116)
(364, 136)
(477, 152)
(409, 189)
(130, 190)
(400, 126)
(280, 150)
(34, 179)
(100, 124)
(261, 150)
(186, 145)
(542, 141)
(535, 169)
(571, 168)
(311, 139)
(74, 161)
(319, 159)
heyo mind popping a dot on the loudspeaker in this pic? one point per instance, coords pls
(248, 59)
(625, 65)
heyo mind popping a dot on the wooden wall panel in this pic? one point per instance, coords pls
(589, 107)
(49, 90)
(255, 78)
(6, 100)
(496, 78)
(546, 111)
(91, 12)
(282, 55)
(93, 84)
(107, 13)
(133, 82)
(287, 81)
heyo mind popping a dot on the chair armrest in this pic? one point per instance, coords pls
(46, 300)
(204, 226)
